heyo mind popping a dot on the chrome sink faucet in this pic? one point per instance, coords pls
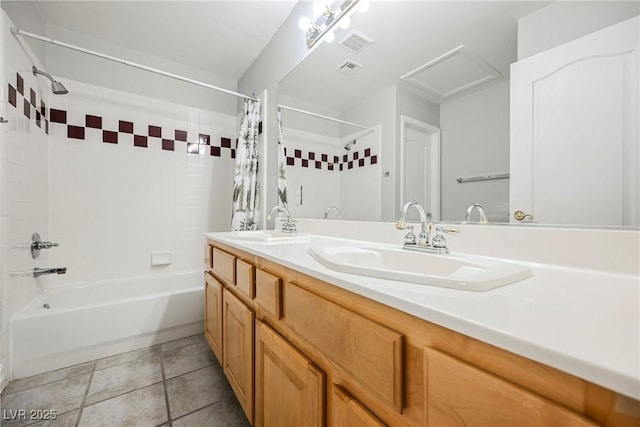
(332, 208)
(423, 242)
(423, 237)
(483, 217)
(289, 226)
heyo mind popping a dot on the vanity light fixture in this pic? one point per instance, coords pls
(329, 14)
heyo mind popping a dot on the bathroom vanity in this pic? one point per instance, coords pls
(302, 345)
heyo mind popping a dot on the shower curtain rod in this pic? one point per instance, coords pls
(284, 107)
(17, 31)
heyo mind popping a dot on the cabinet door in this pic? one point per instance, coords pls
(289, 388)
(348, 412)
(237, 349)
(574, 130)
(458, 394)
(213, 315)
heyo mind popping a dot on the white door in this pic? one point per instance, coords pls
(420, 178)
(574, 131)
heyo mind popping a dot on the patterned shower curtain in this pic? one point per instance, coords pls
(282, 162)
(245, 183)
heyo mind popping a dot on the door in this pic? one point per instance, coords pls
(420, 176)
(348, 412)
(237, 349)
(574, 131)
(213, 315)
(289, 388)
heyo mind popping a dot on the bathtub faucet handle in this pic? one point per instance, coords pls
(37, 245)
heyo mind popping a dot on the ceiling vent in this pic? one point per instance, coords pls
(349, 67)
(356, 42)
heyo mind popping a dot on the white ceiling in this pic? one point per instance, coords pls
(408, 35)
(220, 37)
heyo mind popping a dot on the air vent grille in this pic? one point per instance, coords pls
(356, 42)
(349, 67)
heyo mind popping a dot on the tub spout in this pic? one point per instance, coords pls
(37, 272)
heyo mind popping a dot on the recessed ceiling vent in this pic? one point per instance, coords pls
(349, 67)
(356, 42)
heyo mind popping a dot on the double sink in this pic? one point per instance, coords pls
(464, 272)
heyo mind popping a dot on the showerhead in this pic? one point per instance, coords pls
(56, 87)
(349, 144)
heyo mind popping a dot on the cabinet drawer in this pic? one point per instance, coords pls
(245, 278)
(368, 351)
(224, 265)
(459, 394)
(348, 412)
(269, 293)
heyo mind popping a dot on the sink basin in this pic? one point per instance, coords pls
(268, 236)
(464, 272)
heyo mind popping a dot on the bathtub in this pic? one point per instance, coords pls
(94, 320)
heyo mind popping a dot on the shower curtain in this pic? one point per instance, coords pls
(245, 182)
(282, 162)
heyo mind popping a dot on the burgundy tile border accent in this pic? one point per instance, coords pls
(109, 137)
(57, 116)
(181, 135)
(168, 144)
(75, 132)
(140, 141)
(356, 160)
(125, 127)
(155, 131)
(20, 84)
(39, 114)
(12, 95)
(94, 122)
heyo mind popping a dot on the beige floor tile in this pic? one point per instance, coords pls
(140, 408)
(196, 390)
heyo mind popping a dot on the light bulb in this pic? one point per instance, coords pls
(345, 22)
(363, 6)
(330, 37)
(304, 23)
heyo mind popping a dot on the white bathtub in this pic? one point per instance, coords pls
(94, 320)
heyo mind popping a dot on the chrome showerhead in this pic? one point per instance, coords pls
(349, 144)
(56, 87)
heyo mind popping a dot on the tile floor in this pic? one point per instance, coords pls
(178, 383)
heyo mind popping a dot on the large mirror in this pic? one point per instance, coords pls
(454, 103)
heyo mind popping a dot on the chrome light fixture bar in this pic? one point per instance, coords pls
(333, 13)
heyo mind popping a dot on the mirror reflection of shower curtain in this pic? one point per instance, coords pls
(282, 162)
(245, 182)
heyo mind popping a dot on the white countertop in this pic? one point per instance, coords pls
(580, 321)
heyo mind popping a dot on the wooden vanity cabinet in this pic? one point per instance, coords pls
(237, 349)
(302, 352)
(213, 314)
(289, 388)
(348, 412)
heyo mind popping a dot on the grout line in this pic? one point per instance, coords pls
(166, 393)
(86, 394)
(218, 402)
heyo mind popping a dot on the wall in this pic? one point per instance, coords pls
(379, 111)
(110, 175)
(131, 175)
(312, 165)
(547, 27)
(24, 168)
(475, 142)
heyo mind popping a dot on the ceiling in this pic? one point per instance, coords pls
(408, 35)
(221, 37)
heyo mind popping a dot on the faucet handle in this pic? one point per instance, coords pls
(410, 237)
(449, 230)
